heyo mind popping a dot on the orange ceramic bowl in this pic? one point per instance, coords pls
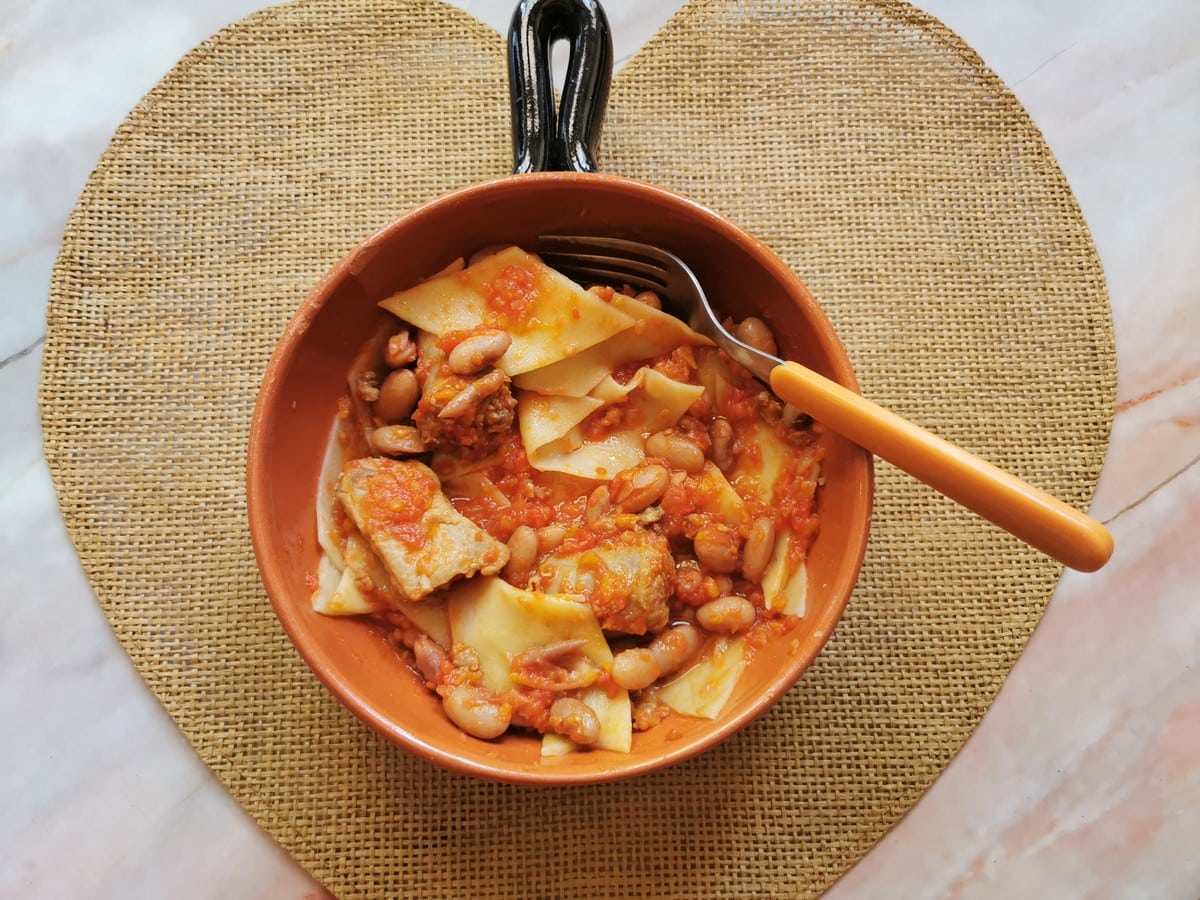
(307, 375)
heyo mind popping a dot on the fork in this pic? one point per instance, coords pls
(1058, 530)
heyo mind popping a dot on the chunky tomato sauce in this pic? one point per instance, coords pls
(512, 293)
(678, 365)
(394, 503)
(530, 497)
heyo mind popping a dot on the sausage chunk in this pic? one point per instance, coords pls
(466, 413)
(421, 539)
(626, 578)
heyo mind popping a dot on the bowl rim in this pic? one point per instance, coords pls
(259, 515)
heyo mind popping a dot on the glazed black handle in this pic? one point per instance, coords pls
(546, 140)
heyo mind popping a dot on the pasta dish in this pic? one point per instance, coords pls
(569, 512)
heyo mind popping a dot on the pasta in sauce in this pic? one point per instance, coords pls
(568, 511)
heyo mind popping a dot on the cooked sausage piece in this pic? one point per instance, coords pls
(467, 414)
(422, 540)
(626, 578)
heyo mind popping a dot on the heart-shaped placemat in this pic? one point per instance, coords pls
(861, 140)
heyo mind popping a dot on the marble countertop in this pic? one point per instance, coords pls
(1082, 781)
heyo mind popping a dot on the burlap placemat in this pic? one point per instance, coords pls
(861, 140)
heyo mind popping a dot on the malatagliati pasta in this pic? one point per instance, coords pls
(568, 511)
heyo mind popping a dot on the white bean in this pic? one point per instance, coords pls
(726, 615)
(476, 713)
(673, 648)
(522, 555)
(717, 548)
(429, 657)
(676, 449)
(550, 537)
(756, 552)
(397, 396)
(721, 434)
(635, 669)
(754, 332)
(476, 353)
(643, 488)
(575, 720)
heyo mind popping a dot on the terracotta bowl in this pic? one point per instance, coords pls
(306, 376)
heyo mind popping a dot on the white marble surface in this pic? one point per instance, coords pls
(1082, 781)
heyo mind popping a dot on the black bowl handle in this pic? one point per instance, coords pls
(566, 141)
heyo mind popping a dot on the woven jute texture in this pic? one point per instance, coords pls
(861, 140)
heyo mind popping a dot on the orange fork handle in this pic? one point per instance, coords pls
(1073, 538)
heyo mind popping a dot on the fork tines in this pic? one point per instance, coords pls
(607, 259)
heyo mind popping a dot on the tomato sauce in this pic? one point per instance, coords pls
(531, 706)
(512, 293)
(739, 404)
(395, 500)
(535, 498)
(678, 365)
